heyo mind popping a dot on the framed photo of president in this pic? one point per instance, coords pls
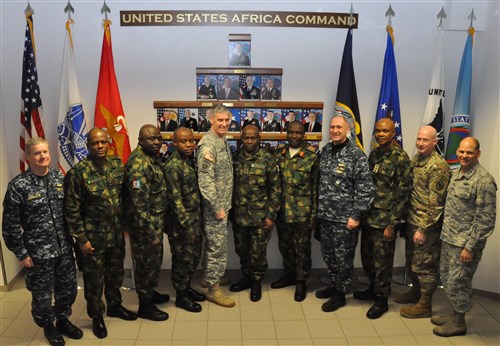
(240, 53)
(228, 87)
(312, 120)
(167, 119)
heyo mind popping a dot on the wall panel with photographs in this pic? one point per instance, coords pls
(272, 118)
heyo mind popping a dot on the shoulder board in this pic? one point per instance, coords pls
(311, 149)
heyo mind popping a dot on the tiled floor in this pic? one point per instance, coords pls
(276, 320)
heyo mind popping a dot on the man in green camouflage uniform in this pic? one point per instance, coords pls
(298, 165)
(145, 199)
(257, 191)
(215, 179)
(389, 166)
(184, 230)
(430, 175)
(93, 211)
(469, 219)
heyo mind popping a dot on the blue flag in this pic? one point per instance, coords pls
(460, 121)
(346, 102)
(388, 100)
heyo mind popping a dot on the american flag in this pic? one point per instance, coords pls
(243, 83)
(31, 103)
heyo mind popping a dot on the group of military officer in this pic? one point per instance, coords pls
(337, 194)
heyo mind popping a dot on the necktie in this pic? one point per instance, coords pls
(227, 93)
(311, 126)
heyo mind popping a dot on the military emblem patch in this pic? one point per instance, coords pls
(136, 184)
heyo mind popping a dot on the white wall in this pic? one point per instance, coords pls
(158, 63)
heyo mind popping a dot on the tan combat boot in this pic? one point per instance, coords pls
(224, 281)
(410, 297)
(420, 310)
(440, 320)
(216, 296)
(454, 326)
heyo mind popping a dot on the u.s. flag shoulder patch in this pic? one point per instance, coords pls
(136, 184)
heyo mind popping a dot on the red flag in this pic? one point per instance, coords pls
(109, 113)
(31, 103)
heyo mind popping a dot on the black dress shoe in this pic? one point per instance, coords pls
(284, 281)
(64, 326)
(53, 336)
(159, 298)
(241, 285)
(365, 295)
(183, 301)
(195, 295)
(335, 302)
(120, 312)
(256, 291)
(327, 292)
(99, 328)
(378, 309)
(300, 291)
(149, 311)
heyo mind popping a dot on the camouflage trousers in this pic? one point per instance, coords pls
(103, 271)
(147, 265)
(186, 256)
(51, 277)
(377, 257)
(338, 245)
(425, 258)
(294, 242)
(215, 246)
(456, 276)
(251, 245)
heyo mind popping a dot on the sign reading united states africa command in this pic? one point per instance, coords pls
(238, 18)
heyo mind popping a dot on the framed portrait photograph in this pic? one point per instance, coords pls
(289, 115)
(234, 124)
(270, 88)
(312, 119)
(250, 116)
(240, 52)
(188, 117)
(206, 87)
(271, 120)
(167, 119)
(203, 122)
(228, 87)
(166, 149)
(249, 87)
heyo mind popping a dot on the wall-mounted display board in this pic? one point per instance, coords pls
(272, 117)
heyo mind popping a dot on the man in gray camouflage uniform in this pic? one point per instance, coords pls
(145, 200)
(33, 229)
(389, 165)
(298, 165)
(469, 219)
(215, 179)
(430, 175)
(257, 191)
(345, 191)
(94, 216)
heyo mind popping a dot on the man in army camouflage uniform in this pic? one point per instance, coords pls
(93, 211)
(257, 191)
(298, 165)
(145, 200)
(469, 219)
(184, 230)
(389, 165)
(215, 179)
(33, 229)
(430, 175)
(345, 192)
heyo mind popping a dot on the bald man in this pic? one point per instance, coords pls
(469, 219)
(389, 166)
(145, 199)
(430, 175)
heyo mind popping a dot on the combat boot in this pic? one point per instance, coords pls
(327, 292)
(367, 294)
(440, 320)
(149, 311)
(336, 301)
(455, 325)
(52, 335)
(184, 301)
(244, 284)
(411, 297)
(256, 291)
(224, 281)
(422, 309)
(216, 296)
